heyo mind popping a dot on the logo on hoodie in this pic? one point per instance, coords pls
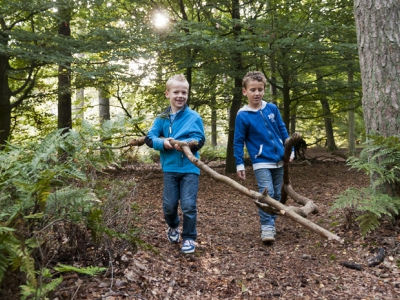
(271, 117)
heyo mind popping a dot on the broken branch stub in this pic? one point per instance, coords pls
(287, 189)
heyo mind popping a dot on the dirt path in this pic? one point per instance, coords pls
(230, 262)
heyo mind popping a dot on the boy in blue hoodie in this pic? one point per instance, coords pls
(181, 177)
(260, 128)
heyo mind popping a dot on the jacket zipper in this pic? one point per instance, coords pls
(270, 134)
(170, 133)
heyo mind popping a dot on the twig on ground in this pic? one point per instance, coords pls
(73, 296)
(170, 289)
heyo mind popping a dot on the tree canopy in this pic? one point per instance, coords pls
(306, 49)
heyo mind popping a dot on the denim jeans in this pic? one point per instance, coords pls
(183, 187)
(272, 180)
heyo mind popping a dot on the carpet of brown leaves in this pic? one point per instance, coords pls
(230, 261)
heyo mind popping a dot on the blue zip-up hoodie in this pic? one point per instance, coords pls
(264, 133)
(186, 126)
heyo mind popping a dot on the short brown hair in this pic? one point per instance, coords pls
(254, 75)
(177, 77)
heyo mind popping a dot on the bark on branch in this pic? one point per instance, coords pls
(261, 200)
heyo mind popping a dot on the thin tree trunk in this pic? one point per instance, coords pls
(5, 102)
(237, 94)
(286, 98)
(64, 78)
(214, 133)
(80, 103)
(104, 105)
(273, 88)
(351, 140)
(326, 111)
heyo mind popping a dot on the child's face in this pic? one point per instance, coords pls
(177, 94)
(254, 92)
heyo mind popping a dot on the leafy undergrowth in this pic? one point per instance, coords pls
(230, 261)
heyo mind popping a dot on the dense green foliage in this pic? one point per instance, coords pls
(118, 47)
(49, 188)
(380, 159)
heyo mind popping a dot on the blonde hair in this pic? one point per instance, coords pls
(177, 77)
(254, 75)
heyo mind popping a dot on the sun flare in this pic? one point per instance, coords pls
(160, 20)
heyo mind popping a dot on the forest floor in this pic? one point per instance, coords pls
(231, 262)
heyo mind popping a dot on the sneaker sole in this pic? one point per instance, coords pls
(188, 251)
(268, 239)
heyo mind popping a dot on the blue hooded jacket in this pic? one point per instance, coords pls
(264, 134)
(185, 127)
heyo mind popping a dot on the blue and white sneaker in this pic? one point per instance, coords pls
(268, 233)
(188, 246)
(267, 236)
(173, 235)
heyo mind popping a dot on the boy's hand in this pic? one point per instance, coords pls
(167, 144)
(178, 148)
(242, 174)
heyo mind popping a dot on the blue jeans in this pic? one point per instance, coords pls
(183, 187)
(272, 180)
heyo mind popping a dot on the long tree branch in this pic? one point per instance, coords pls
(259, 199)
(264, 201)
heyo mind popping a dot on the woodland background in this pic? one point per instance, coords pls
(80, 79)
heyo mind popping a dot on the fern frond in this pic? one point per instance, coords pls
(368, 222)
(4, 263)
(15, 254)
(45, 289)
(70, 203)
(90, 270)
(350, 198)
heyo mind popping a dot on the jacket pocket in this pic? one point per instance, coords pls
(260, 150)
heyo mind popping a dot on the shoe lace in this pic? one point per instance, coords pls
(188, 243)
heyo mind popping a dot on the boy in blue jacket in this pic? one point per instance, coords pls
(181, 177)
(259, 126)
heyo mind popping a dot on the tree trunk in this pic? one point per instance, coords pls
(293, 105)
(79, 115)
(326, 112)
(286, 98)
(64, 78)
(104, 106)
(378, 39)
(214, 133)
(237, 94)
(5, 103)
(351, 139)
(273, 88)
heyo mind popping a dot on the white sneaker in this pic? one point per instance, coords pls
(188, 246)
(267, 236)
(173, 235)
